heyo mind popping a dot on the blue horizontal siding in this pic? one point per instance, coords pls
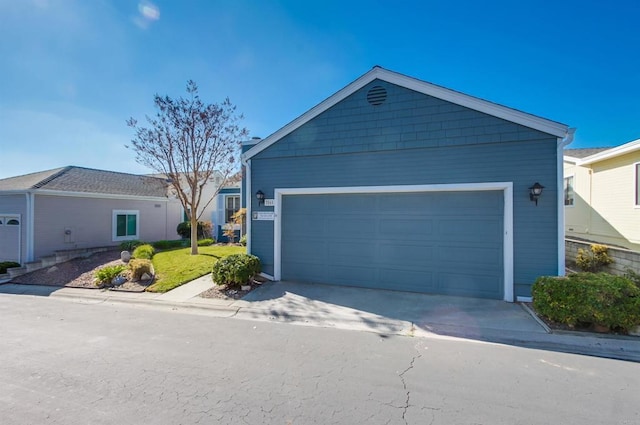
(417, 139)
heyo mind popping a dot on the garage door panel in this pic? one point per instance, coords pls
(447, 243)
(351, 226)
(352, 204)
(477, 256)
(405, 228)
(308, 272)
(465, 284)
(410, 280)
(311, 226)
(302, 249)
(406, 254)
(352, 275)
(469, 229)
(348, 252)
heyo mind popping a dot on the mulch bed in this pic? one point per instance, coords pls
(79, 273)
(225, 293)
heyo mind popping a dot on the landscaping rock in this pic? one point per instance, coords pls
(125, 256)
(145, 276)
(245, 287)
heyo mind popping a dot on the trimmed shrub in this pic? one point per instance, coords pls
(206, 242)
(595, 259)
(588, 298)
(7, 265)
(138, 267)
(105, 275)
(243, 240)
(143, 252)
(130, 245)
(204, 229)
(164, 245)
(236, 269)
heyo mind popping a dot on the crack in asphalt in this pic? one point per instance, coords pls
(404, 385)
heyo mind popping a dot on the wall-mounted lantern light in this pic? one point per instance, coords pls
(535, 191)
(260, 197)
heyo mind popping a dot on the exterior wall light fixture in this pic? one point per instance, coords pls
(260, 197)
(535, 191)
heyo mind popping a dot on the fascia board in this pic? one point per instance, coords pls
(612, 153)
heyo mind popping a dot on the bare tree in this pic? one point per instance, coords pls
(191, 142)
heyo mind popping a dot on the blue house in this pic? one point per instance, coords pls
(396, 183)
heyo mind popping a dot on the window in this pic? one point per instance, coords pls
(568, 190)
(231, 206)
(125, 225)
(637, 184)
(12, 222)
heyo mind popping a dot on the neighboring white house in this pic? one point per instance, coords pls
(602, 194)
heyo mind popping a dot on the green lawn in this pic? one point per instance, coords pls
(173, 268)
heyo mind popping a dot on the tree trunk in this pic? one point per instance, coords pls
(194, 235)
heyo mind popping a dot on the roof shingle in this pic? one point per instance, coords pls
(87, 180)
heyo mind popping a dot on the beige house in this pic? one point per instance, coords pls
(602, 194)
(74, 208)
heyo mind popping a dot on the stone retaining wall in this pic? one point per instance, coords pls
(623, 258)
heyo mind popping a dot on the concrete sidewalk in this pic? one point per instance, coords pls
(385, 312)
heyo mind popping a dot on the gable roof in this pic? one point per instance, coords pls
(378, 73)
(591, 155)
(87, 180)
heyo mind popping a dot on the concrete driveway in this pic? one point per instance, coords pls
(389, 311)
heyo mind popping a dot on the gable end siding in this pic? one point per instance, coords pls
(406, 120)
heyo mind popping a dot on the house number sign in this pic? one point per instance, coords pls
(264, 215)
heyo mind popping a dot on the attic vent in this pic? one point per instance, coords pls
(377, 95)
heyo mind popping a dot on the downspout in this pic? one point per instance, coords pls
(249, 215)
(568, 138)
(30, 220)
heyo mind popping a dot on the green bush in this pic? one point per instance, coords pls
(164, 245)
(588, 298)
(143, 252)
(634, 277)
(138, 267)
(235, 269)
(206, 242)
(105, 275)
(130, 245)
(243, 240)
(7, 265)
(594, 259)
(184, 229)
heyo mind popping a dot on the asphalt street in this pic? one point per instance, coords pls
(67, 362)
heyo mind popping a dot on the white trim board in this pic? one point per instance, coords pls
(377, 73)
(506, 187)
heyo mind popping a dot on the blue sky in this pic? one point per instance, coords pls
(73, 71)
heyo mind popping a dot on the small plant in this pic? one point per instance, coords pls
(130, 245)
(632, 275)
(7, 265)
(229, 232)
(139, 267)
(243, 240)
(206, 242)
(235, 269)
(588, 298)
(594, 259)
(164, 245)
(105, 275)
(143, 252)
